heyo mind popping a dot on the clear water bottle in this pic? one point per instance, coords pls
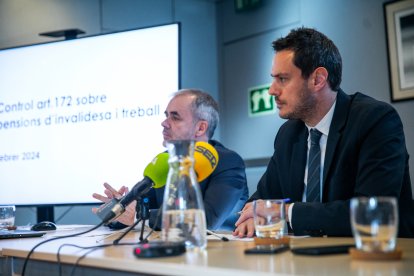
(183, 217)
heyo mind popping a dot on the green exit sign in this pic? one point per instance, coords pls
(245, 5)
(260, 102)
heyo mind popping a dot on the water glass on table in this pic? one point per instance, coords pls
(374, 223)
(7, 215)
(269, 218)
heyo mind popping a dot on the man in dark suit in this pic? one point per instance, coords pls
(193, 115)
(361, 144)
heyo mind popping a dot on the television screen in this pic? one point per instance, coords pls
(77, 113)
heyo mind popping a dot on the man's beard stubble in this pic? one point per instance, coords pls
(305, 108)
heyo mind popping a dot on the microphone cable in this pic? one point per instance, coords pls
(26, 260)
(95, 247)
(155, 224)
(91, 249)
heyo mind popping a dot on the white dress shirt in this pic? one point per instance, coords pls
(323, 126)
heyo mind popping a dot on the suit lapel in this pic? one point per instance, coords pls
(298, 164)
(335, 132)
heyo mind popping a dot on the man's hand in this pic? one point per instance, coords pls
(245, 223)
(246, 213)
(128, 216)
(110, 193)
(245, 229)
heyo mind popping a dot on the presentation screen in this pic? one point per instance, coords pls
(77, 113)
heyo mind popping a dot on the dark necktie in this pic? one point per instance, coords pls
(314, 168)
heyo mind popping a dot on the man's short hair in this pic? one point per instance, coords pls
(312, 50)
(203, 107)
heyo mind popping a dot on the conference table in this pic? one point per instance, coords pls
(220, 258)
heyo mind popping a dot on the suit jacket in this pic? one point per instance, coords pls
(365, 156)
(224, 192)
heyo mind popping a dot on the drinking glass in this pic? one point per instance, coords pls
(374, 223)
(7, 215)
(269, 218)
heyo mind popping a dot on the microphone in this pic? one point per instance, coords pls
(205, 160)
(155, 176)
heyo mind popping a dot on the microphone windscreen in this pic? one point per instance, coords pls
(205, 160)
(157, 170)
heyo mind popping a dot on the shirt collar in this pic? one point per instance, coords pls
(325, 123)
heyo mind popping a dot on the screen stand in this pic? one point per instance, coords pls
(45, 213)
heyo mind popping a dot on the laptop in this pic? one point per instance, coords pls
(16, 234)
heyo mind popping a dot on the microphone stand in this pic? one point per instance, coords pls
(142, 214)
(145, 213)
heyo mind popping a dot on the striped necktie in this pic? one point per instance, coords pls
(314, 168)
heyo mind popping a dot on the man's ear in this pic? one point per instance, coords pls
(319, 78)
(201, 128)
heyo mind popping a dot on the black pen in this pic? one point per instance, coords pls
(209, 232)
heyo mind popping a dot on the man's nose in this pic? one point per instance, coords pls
(273, 90)
(165, 123)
